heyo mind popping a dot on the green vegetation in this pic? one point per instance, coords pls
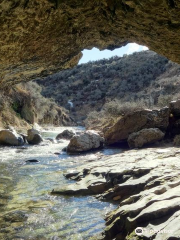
(105, 79)
(110, 112)
(144, 78)
(100, 91)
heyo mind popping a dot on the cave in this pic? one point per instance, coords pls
(41, 37)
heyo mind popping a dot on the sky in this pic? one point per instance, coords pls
(96, 54)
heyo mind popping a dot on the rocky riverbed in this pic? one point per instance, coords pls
(146, 185)
(27, 209)
(105, 193)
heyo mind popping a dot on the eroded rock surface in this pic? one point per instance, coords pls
(66, 134)
(34, 136)
(85, 141)
(136, 121)
(39, 37)
(145, 182)
(145, 136)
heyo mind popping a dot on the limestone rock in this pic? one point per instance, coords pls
(145, 136)
(40, 37)
(66, 134)
(33, 136)
(85, 141)
(10, 137)
(86, 186)
(148, 182)
(136, 121)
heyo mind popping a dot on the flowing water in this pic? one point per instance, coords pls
(29, 211)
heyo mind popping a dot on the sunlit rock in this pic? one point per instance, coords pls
(10, 137)
(85, 141)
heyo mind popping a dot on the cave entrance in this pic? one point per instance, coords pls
(95, 54)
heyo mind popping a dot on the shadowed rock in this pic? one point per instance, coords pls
(145, 136)
(174, 108)
(34, 137)
(32, 161)
(136, 121)
(40, 37)
(11, 138)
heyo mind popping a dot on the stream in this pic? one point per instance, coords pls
(29, 211)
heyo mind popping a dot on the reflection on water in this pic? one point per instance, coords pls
(28, 211)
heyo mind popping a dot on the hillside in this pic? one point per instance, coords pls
(141, 77)
(23, 105)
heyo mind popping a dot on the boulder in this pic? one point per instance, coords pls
(34, 136)
(174, 108)
(85, 141)
(66, 134)
(145, 136)
(64, 149)
(136, 121)
(11, 138)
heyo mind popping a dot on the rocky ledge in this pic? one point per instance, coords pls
(145, 183)
(40, 37)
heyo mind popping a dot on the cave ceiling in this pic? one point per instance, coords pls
(41, 37)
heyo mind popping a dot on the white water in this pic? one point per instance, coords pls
(71, 103)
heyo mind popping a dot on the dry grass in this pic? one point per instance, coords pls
(110, 112)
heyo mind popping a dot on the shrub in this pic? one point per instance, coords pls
(164, 100)
(110, 112)
(117, 108)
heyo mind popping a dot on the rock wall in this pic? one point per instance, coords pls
(40, 37)
(23, 105)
